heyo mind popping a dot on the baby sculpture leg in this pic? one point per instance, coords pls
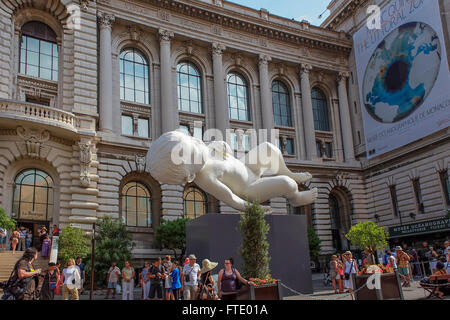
(267, 159)
(280, 186)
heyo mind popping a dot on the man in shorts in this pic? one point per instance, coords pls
(112, 279)
(403, 265)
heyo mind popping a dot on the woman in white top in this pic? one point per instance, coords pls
(350, 268)
(71, 280)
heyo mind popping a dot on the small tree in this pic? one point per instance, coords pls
(6, 222)
(172, 235)
(72, 243)
(255, 248)
(113, 243)
(368, 236)
(314, 244)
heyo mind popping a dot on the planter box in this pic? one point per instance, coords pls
(264, 292)
(391, 287)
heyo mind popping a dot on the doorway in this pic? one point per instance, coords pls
(35, 227)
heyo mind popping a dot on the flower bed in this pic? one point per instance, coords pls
(377, 268)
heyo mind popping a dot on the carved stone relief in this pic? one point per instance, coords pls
(33, 140)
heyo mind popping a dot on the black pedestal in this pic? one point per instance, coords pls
(216, 237)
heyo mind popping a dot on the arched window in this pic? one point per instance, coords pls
(237, 97)
(134, 84)
(38, 51)
(281, 104)
(194, 202)
(33, 195)
(320, 110)
(189, 88)
(136, 205)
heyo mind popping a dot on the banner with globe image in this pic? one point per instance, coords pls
(403, 75)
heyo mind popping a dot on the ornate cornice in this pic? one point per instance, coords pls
(348, 10)
(216, 15)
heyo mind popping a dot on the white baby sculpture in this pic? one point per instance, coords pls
(176, 159)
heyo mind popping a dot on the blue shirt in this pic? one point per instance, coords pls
(386, 259)
(176, 283)
(81, 269)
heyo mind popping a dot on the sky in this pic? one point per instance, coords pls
(297, 9)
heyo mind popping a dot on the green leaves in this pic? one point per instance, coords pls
(72, 243)
(255, 248)
(368, 235)
(172, 235)
(113, 243)
(314, 243)
(6, 222)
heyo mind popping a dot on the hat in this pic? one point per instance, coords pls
(208, 266)
(192, 257)
(398, 248)
(347, 253)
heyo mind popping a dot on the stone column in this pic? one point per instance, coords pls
(344, 112)
(169, 110)
(266, 93)
(105, 78)
(220, 92)
(308, 117)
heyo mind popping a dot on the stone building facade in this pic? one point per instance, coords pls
(410, 185)
(86, 86)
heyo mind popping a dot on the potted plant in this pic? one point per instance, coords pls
(255, 254)
(386, 284)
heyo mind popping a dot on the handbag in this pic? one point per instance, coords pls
(118, 288)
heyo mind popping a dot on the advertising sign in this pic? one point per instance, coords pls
(438, 225)
(403, 75)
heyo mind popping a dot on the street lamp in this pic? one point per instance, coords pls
(91, 296)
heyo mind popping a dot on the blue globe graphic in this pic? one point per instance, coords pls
(401, 72)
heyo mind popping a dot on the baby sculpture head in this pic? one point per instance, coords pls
(175, 158)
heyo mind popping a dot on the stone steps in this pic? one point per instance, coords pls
(8, 260)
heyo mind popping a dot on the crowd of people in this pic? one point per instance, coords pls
(162, 279)
(409, 263)
(22, 238)
(165, 279)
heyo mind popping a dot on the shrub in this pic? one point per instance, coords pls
(314, 244)
(72, 243)
(113, 243)
(6, 222)
(172, 235)
(255, 248)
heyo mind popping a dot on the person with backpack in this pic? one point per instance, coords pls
(50, 284)
(229, 280)
(189, 279)
(24, 281)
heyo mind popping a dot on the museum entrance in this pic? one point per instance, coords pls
(33, 201)
(35, 227)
